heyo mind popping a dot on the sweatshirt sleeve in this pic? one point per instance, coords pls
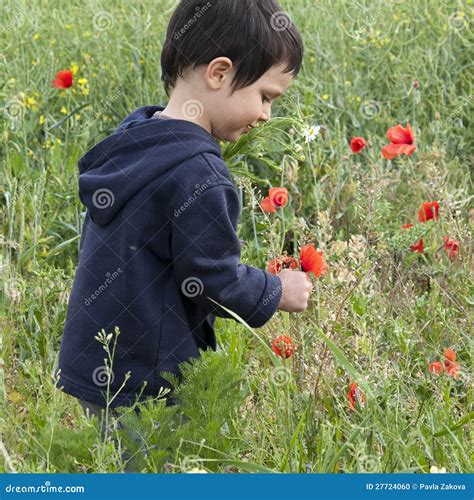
(206, 259)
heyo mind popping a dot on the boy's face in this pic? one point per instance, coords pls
(233, 115)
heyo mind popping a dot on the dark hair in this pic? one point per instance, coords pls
(254, 34)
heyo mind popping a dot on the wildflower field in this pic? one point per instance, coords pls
(362, 178)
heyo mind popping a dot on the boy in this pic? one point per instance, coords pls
(159, 237)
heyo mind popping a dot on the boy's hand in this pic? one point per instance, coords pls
(296, 290)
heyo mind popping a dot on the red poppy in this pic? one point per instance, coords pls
(450, 366)
(312, 260)
(451, 246)
(417, 247)
(63, 79)
(267, 205)
(428, 210)
(453, 369)
(450, 355)
(283, 346)
(285, 262)
(407, 226)
(436, 367)
(278, 196)
(355, 396)
(401, 139)
(358, 144)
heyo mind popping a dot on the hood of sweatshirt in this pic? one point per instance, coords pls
(141, 149)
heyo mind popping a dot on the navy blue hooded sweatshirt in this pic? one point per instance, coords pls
(159, 238)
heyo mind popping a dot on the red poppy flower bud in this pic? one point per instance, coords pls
(357, 144)
(63, 79)
(283, 346)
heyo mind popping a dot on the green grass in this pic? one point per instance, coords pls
(379, 315)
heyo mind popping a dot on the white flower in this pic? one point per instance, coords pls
(437, 470)
(310, 133)
(196, 470)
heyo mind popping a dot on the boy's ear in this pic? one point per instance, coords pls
(218, 71)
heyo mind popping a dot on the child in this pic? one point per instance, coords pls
(159, 239)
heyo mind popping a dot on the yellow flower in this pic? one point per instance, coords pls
(52, 41)
(42, 120)
(78, 116)
(312, 59)
(74, 68)
(31, 103)
(68, 26)
(83, 84)
(325, 97)
(36, 36)
(64, 110)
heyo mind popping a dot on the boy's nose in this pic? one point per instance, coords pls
(265, 117)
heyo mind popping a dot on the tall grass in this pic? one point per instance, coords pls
(379, 316)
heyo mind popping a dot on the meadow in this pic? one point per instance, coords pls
(378, 373)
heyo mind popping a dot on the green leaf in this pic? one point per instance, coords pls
(341, 358)
(462, 422)
(60, 122)
(343, 449)
(57, 248)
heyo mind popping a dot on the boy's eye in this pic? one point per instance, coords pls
(265, 98)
